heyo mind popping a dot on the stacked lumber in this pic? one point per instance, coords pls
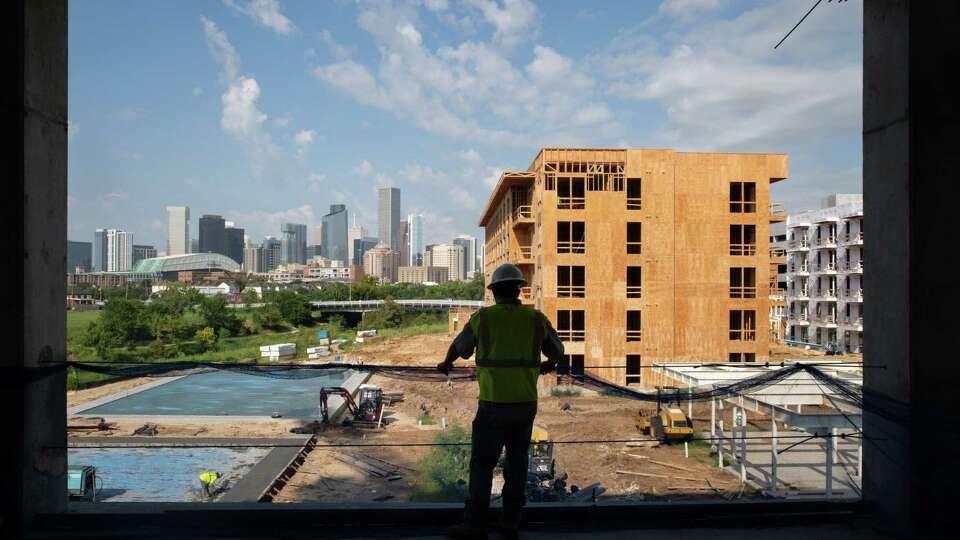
(278, 351)
(375, 467)
(396, 396)
(314, 353)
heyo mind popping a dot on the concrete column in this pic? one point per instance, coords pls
(34, 109)
(774, 457)
(911, 132)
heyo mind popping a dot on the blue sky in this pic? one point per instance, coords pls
(266, 111)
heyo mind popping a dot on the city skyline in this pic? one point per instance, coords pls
(310, 134)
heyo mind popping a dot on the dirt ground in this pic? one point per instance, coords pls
(590, 417)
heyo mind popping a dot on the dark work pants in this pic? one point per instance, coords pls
(499, 425)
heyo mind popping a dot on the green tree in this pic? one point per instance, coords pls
(206, 339)
(240, 282)
(294, 308)
(390, 315)
(120, 324)
(216, 315)
(250, 296)
(268, 316)
(446, 468)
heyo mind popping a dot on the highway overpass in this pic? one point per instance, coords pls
(359, 306)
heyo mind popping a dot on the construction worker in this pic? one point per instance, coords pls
(207, 480)
(508, 339)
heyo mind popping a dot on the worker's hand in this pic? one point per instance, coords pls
(547, 367)
(444, 368)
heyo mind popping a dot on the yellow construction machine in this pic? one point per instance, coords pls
(669, 423)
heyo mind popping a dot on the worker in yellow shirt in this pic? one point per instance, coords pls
(207, 481)
(508, 339)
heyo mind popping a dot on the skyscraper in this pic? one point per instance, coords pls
(469, 244)
(253, 258)
(119, 250)
(79, 256)
(360, 247)
(354, 233)
(293, 243)
(271, 253)
(141, 252)
(178, 230)
(449, 256)
(404, 243)
(234, 238)
(388, 215)
(415, 222)
(213, 234)
(334, 234)
(99, 262)
(382, 262)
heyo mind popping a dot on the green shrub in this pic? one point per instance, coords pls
(445, 470)
(564, 391)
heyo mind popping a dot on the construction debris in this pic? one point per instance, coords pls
(146, 429)
(371, 465)
(278, 351)
(643, 444)
(88, 424)
(389, 398)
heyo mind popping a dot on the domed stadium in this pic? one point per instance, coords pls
(166, 268)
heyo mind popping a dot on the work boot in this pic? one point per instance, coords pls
(466, 532)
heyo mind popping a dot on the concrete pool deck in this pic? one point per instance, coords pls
(251, 487)
(336, 404)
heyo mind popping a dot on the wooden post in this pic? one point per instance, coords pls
(829, 456)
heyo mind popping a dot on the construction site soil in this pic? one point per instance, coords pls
(626, 471)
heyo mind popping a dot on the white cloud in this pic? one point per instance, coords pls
(353, 79)
(365, 168)
(283, 121)
(264, 222)
(462, 199)
(240, 118)
(436, 5)
(337, 50)
(416, 173)
(197, 91)
(265, 13)
(72, 129)
(686, 9)
(303, 139)
(515, 21)
(315, 182)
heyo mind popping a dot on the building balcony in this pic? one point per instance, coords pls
(743, 249)
(634, 203)
(571, 291)
(852, 323)
(853, 267)
(829, 241)
(571, 335)
(854, 239)
(799, 269)
(853, 295)
(776, 293)
(777, 253)
(825, 295)
(825, 268)
(571, 247)
(743, 292)
(777, 213)
(526, 295)
(747, 334)
(827, 321)
(634, 335)
(523, 255)
(634, 248)
(798, 319)
(571, 203)
(798, 294)
(523, 215)
(798, 245)
(633, 291)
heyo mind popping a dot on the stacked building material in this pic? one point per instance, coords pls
(278, 351)
(313, 353)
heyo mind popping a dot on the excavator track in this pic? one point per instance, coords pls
(656, 425)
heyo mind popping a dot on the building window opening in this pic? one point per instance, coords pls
(571, 237)
(634, 237)
(634, 326)
(634, 369)
(743, 197)
(743, 282)
(570, 282)
(570, 194)
(570, 324)
(743, 325)
(743, 239)
(634, 281)
(747, 356)
(633, 194)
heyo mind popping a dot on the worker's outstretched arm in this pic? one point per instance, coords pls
(462, 347)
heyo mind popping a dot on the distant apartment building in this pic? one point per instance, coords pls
(388, 217)
(293, 243)
(97, 279)
(333, 241)
(119, 250)
(640, 256)
(415, 244)
(778, 279)
(99, 261)
(824, 293)
(79, 256)
(234, 237)
(272, 253)
(422, 274)
(213, 234)
(178, 230)
(253, 259)
(360, 247)
(469, 245)
(382, 262)
(141, 252)
(449, 256)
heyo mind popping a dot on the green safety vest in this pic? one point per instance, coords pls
(508, 340)
(208, 477)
